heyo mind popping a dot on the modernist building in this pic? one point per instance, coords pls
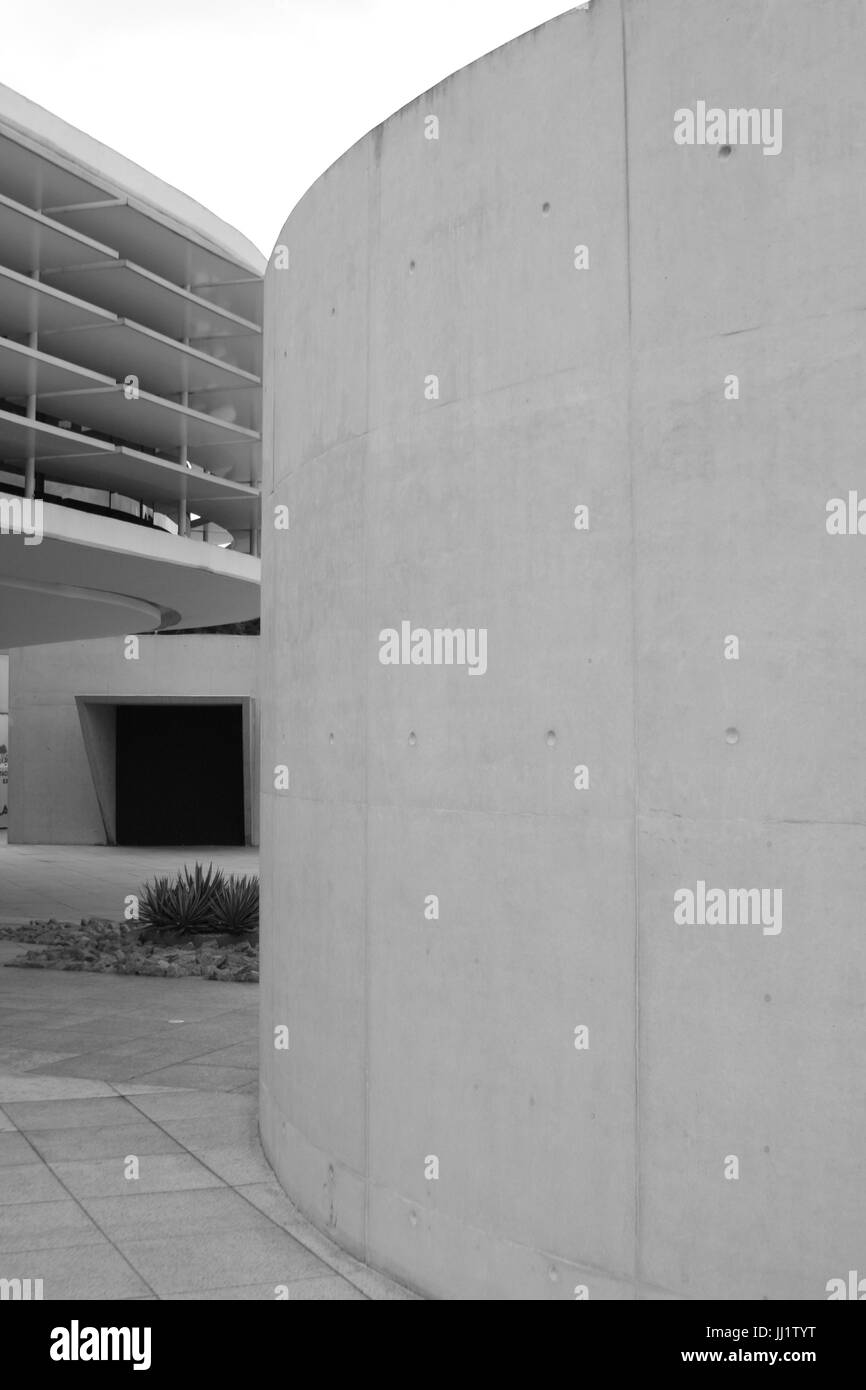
(130, 457)
(538, 368)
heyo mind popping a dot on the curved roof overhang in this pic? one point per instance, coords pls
(127, 579)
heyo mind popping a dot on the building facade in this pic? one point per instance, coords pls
(130, 402)
(130, 457)
(135, 741)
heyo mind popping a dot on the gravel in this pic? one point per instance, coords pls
(126, 948)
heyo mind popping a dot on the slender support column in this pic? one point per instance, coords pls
(30, 465)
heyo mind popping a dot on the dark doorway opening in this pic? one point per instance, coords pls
(180, 775)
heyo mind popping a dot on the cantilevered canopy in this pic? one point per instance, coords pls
(29, 306)
(84, 461)
(119, 346)
(38, 181)
(31, 242)
(94, 575)
(20, 437)
(96, 338)
(159, 424)
(160, 484)
(142, 237)
(133, 292)
(25, 372)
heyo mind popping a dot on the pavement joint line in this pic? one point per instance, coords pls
(88, 1218)
(299, 1238)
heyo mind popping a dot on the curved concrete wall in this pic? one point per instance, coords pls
(608, 1168)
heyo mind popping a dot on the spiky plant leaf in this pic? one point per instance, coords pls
(236, 904)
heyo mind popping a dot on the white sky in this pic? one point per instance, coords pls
(243, 103)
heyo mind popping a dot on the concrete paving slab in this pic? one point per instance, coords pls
(91, 1034)
(14, 1149)
(157, 1173)
(214, 1131)
(91, 1067)
(199, 1077)
(16, 1061)
(136, 1057)
(29, 1226)
(241, 1054)
(134, 1088)
(270, 1198)
(72, 1114)
(31, 1087)
(32, 1037)
(104, 1064)
(182, 1009)
(29, 1182)
(221, 1259)
(205, 1036)
(92, 1271)
(169, 1214)
(17, 1019)
(100, 1141)
(236, 1164)
(181, 1105)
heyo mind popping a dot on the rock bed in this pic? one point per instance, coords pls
(125, 948)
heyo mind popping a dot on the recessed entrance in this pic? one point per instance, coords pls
(180, 775)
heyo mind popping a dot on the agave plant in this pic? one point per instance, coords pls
(194, 896)
(155, 903)
(183, 905)
(235, 906)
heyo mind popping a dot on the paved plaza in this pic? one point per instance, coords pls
(130, 1164)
